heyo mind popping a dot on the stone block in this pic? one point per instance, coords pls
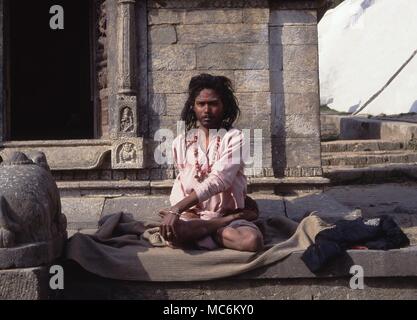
(296, 103)
(296, 125)
(141, 208)
(158, 104)
(213, 16)
(292, 17)
(303, 152)
(175, 103)
(24, 284)
(252, 80)
(222, 33)
(254, 103)
(164, 16)
(294, 82)
(172, 57)
(177, 81)
(232, 56)
(293, 35)
(256, 15)
(252, 121)
(299, 58)
(82, 212)
(164, 34)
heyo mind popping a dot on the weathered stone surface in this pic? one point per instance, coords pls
(158, 104)
(288, 35)
(362, 159)
(173, 57)
(292, 17)
(294, 82)
(64, 155)
(105, 188)
(255, 121)
(252, 80)
(32, 227)
(222, 33)
(175, 103)
(269, 205)
(177, 81)
(256, 15)
(296, 103)
(164, 122)
(164, 16)
(82, 212)
(180, 16)
(164, 34)
(254, 103)
(303, 152)
(326, 206)
(199, 4)
(141, 208)
(24, 284)
(298, 58)
(296, 126)
(214, 16)
(232, 56)
(360, 145)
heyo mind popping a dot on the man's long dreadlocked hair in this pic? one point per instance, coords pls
(223, 87)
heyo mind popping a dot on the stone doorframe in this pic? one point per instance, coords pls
(116, 104)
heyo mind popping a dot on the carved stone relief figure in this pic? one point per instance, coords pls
(127, 153)
(126, 120)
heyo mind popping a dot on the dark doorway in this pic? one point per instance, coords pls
(50, 84)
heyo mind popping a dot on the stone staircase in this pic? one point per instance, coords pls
(361, 150)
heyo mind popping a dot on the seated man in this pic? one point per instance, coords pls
(210, 207)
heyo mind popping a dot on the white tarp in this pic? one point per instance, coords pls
(362, 44)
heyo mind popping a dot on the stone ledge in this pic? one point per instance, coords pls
(391, 263)
(64, 154)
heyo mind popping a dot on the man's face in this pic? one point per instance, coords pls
(208, 108)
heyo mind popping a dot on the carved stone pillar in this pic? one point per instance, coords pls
(127, 148)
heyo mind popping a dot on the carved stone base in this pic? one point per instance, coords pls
(24, 284)
(33, 254)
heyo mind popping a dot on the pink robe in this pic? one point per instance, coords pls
(224, 189)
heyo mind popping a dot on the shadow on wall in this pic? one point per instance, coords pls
(278, 132)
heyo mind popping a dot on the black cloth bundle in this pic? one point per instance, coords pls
(379, 233)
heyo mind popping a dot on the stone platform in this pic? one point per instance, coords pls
(388, 274)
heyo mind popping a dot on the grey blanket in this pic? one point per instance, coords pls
(111, 253)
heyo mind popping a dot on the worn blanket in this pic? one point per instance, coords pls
(110, 253)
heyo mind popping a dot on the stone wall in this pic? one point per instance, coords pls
(267, 50)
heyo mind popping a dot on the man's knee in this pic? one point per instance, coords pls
(243, 240)
(252, 241)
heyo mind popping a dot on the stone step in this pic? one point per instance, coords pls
(366, 158)
(393, 277)
(360, 145)
(380, 173)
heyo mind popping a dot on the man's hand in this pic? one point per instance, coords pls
(168, 225)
